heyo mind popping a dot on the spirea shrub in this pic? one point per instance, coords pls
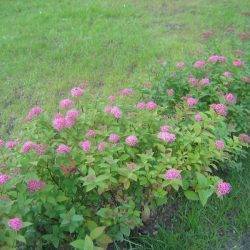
(90, 174)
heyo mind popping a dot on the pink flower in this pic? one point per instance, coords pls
(72, 114)
(11, 144)
(227, 74)
(85, 145)
(69, 122)
(199, 64)
(219, 108)
(238, 63)
(116, 112)
(191, 101)
(77, 91)
(27, 146)
(34, 112)
(35, 185)
(63, 149)
(193, 81)
(141, 105)
(66, 103)
(219, 144)
(165, 128)
(244, 138)
(204, 81)
(91, 133)
(15, 224)
(173, 174)
(222, 59)
(170, 92)
(1, 143)
(151, 105)
(198, 117)
(40, 148)
(59, 122)
(167, 137)
(230, 98)
(111, 98)
(108, 109)
(131, 140)
(126, 91)
(101, 146)
(114, 138)
(180, 65)
(4, 178)
(223, 188)
(213, 58)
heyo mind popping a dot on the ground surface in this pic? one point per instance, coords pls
(49, 46)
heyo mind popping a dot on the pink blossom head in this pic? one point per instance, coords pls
(40, 149)
(151, 105)
(65, 104)
(238, 63)
(72, 114)
(141, 105)
(173, 174)
(198, 117)
(222, 59)
(1, 143)
(35, 185)
(69, 122)
(27, 146)
(191, 101)
(131, 141)
(15, 224)
(170, 92)
(59, 122)
(126, 91)
(4, 178)
(116, 112)
(77, 91)
(213, 58)
(108, 109)
(219, 144)
(11, 144)
(101, 146)
(85, 145)
(91, 133)
(34, 112)
(167, 137)
(204, 81)
(223, 188)
(227, 74)
(192, 81)
(230, 98)
(244, 138)
(199, 64)
(114, 138)
(165, 128)
(219, 109)
(63, 149)
(180, 65)
(111, 98)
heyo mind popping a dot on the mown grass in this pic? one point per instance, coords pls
(49, 46)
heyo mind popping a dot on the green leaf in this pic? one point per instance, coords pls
(20, 238)
(88, 243)
(97, 232)
(26, 224)
(204, 194)
(202, 180)
(191, 195)
(79, 244)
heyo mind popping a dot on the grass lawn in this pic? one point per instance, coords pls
(49, 46)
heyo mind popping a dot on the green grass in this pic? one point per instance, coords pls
(49, 46)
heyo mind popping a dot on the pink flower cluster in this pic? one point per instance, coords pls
(34, 112)
(227, 74)
(111, 98)
(219, 144)
(230, 98)
(238, 63)
(4, 178)
(66, 104)
(191, 101)
(126, 91)
(116, 112)
(1, 143)
(63, 149)
(167, 137)
(101, 146)
(149, 105)
(35, 185)
(199, 64)
(85, 145)
(114, 138)
(219, 108)
(204, 81)
(223, 188)
(131, 141)
(91, 133)
(198, 117)
(77, 91)
(244, 138)
(11, 144)
(165, 128)
(15, 224)
(60, 122)
(217, 58)
(193, 81)
(173, 174)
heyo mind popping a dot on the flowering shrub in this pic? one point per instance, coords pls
(88, 175)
